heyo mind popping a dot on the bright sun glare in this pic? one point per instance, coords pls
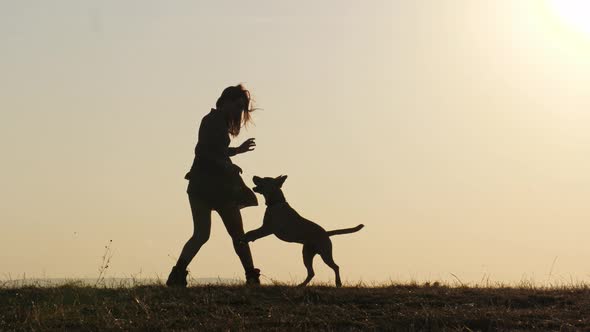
(574, 13)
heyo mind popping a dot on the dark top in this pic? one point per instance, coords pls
(211, 178)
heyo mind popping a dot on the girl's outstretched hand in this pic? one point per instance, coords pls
(248, 145)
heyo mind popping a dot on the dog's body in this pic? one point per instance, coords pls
(285, 223)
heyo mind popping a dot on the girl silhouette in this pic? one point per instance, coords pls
(215, 182)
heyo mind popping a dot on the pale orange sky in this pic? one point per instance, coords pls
(456, 131)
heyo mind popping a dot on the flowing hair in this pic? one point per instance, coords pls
(235, 121)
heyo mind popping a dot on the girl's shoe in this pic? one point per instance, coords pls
(177, 278)
(253, 277)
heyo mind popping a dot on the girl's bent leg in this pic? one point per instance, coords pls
(232, 219)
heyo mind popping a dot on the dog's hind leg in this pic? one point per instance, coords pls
(326, 254)
(308, 254)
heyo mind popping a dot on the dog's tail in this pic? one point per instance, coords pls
(345, 230)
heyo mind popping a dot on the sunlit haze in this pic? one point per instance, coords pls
(456, 131)
(574, 13)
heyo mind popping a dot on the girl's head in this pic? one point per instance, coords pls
(235, 102)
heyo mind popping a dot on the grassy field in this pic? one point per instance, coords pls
(75, 306)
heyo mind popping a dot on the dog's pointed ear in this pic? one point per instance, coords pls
(255, 179)
(281, 180)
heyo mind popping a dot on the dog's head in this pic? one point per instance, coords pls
(268, 186)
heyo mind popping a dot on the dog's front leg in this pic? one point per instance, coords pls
(256, 234)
